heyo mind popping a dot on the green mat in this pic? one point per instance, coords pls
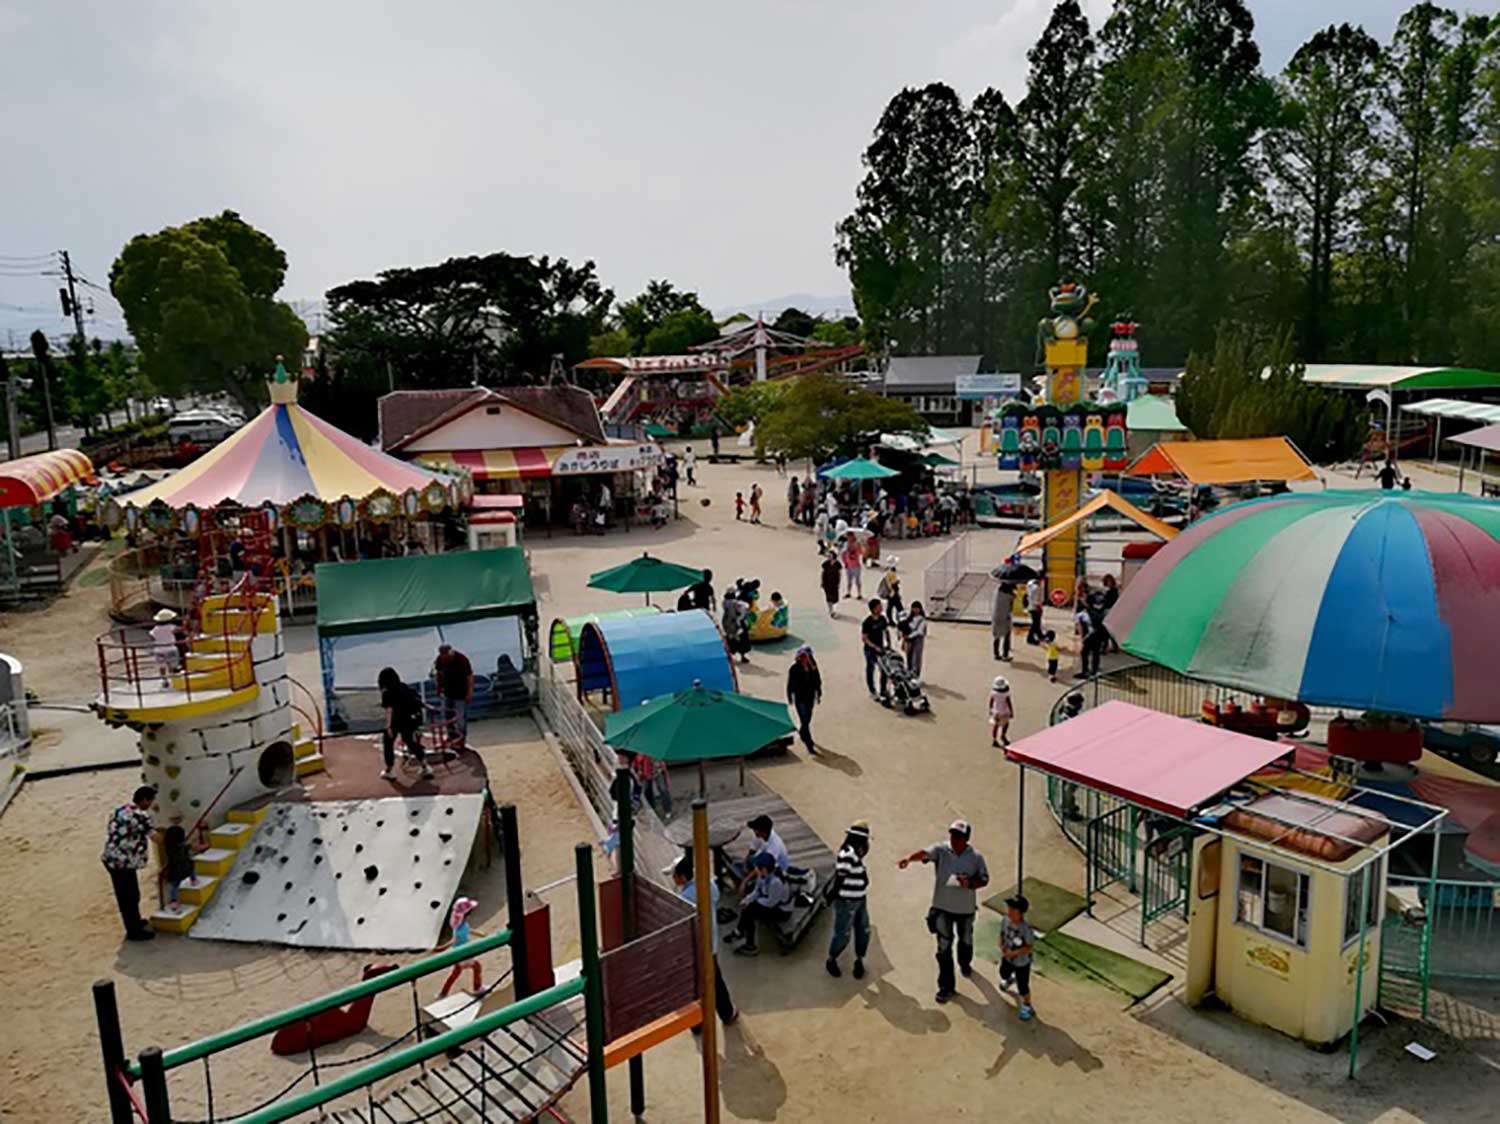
(1052, 907)
(1061, 957)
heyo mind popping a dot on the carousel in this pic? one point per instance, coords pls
(286, 492)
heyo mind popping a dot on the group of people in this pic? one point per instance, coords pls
(1091, 608)
(405, 713)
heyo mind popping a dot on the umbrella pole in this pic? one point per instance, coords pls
(702, 779)
(742, 774)
(707, 965)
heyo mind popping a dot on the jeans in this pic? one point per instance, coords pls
(456, 715)
(850, 913)
(872, 665)
(660, 794)
(388, 739)
(1090, 653)
(127, 887)
(1034, 633)
(949, 926)
(854, 581)
(914, 655)
(804, 709)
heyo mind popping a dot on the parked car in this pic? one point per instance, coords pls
(202, 426)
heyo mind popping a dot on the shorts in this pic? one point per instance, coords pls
(1021, 973)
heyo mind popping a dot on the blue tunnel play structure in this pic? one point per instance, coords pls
(634, 659)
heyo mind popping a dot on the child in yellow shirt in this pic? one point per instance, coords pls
(1054, 653)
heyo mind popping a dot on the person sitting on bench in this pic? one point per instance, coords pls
(766, 897)
(766, 841)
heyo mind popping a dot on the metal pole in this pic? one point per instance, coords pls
(154, 1087)
(1359, 970)
(707, 972)
(112, 1047)
(515, 899)
(1021, 830)
(593, 984)
(625, 819)
(1431, 912)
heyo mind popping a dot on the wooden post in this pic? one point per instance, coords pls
(703, 891)
(593, 984)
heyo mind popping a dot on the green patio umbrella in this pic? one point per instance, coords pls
(937, 460)
(698, 724)
(645, 575)
(860, 468)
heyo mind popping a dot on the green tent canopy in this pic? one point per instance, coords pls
(698, 724)
(563, 635)
(422, 590)
(646, 575)
(859, 469)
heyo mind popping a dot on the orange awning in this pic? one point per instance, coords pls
(1225, 462)
(1098, 503)
(37, 478)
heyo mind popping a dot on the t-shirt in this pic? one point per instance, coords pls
(689, 458)
(461, 934)
(1053, 651)
(126, 837)
(854, 879)
(453, 673)
(947, 866)
(164, 640)
(1001, 705)
(1017, 936)
(875, 630)
(689, 894)
(404, 705)
(770, 890)
(773, 846)
(1084, 623)
(702, 594)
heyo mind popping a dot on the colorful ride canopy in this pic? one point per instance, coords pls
(282, 455)
(1360, 599)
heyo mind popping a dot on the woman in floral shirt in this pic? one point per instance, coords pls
(125, 852)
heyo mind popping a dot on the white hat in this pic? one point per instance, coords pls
(164, 615)
(1002, 684)
(961, 827)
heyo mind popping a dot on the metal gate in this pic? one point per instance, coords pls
(1109, 852)
(1166, 867)
(1405, 961)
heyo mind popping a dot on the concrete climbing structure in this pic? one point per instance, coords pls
(218, 727)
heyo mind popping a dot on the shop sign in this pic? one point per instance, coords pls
(607, 458)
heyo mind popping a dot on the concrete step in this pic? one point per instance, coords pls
(177, 918)
(248, 815)
(305, 747)
(221, 643)
(309, 765)
(197, 889)
(215, 861)
(231, 835)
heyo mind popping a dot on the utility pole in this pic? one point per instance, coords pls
(41, 351)
(71, 303)
(12, 424)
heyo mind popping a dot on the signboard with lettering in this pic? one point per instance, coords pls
(975, 388)
(607, 458)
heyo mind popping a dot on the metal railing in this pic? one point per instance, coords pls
(584, 746)
(942, 576)
(1463, 920)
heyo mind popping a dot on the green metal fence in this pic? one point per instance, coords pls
(1166, 867)
(1463, 926)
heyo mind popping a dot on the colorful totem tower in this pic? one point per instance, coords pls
(1063, 342)
(1122, 380)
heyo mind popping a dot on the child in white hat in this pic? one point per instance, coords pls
(458, 921)
(164, 644)
(1002, 710)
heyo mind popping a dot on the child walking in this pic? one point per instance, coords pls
(458, 921)
(739, 506)
(830, 574)
(1054, 653)
(178, 859)
(755, 494)
(1002, 710)
(1017, 938)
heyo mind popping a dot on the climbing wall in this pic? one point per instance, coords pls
(367, 874)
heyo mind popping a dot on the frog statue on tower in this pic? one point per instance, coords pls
(1071, 303)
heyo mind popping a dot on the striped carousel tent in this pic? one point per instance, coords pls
(283, 455)
(28, 481)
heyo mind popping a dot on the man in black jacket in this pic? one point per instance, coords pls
(804, 690)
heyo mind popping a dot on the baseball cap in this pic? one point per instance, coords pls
(961, 827)
(1018, 902)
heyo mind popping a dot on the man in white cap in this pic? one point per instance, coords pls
(958, 871)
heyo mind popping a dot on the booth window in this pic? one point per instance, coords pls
(1273, 899)
(1354, 885)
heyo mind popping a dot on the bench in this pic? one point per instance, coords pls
(804, 848)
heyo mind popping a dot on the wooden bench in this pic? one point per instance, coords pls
(804, 848)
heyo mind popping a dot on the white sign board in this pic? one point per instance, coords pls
(974, 388)
(607, 458)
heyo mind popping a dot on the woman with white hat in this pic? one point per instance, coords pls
(1002, 710)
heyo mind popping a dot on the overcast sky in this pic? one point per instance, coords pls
(712, 144)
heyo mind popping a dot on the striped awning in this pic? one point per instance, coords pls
(1455, 408)
(37, 478)
(498, 464)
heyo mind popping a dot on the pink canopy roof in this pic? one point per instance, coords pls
(1152, 759)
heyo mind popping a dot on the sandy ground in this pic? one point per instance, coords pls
(809, 1047)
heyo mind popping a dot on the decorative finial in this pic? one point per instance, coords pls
(282, 385)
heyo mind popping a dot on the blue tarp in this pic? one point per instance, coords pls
(643, 658)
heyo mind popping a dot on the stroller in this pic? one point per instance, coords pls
(905, 688)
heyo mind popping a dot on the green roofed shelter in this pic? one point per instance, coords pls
(1354, 376)
(859, 468)
(562, 637)
(396, 613)
(646, 575)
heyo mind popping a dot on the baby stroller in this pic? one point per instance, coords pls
(905, 688)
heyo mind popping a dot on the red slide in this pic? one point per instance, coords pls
(331, 1025)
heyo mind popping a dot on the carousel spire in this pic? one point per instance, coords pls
(282, 385)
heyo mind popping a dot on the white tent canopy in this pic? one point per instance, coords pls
(936, 438)
(1453, 408)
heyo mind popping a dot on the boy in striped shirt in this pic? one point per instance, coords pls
(851, 884)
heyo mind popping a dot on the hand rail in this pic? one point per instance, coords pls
(199, 830)
(416, 1054)
(315, 717)
(269, 1024)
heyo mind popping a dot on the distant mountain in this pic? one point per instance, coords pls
(773, 307)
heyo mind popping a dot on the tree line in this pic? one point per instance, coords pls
(1352, 200)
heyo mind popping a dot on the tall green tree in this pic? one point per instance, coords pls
(664, 320)
(200, 301)
(819, 416)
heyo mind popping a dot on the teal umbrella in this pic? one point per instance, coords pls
(645, 575)
(698, 724)
(860, 468)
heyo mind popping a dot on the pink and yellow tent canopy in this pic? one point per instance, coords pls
(285, 454)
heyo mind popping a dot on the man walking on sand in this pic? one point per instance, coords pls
(958, 871)
(689, 462)
(1035, 600)
(125, 854)
(875, 634)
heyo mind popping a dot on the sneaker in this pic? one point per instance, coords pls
(966, 970)
(747, 950)
(733, 1018)
(859, 969)
(833, 967)
(427, 774)
(387, 775)
(141, 935)
(1027, 1014)
(944, 996)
